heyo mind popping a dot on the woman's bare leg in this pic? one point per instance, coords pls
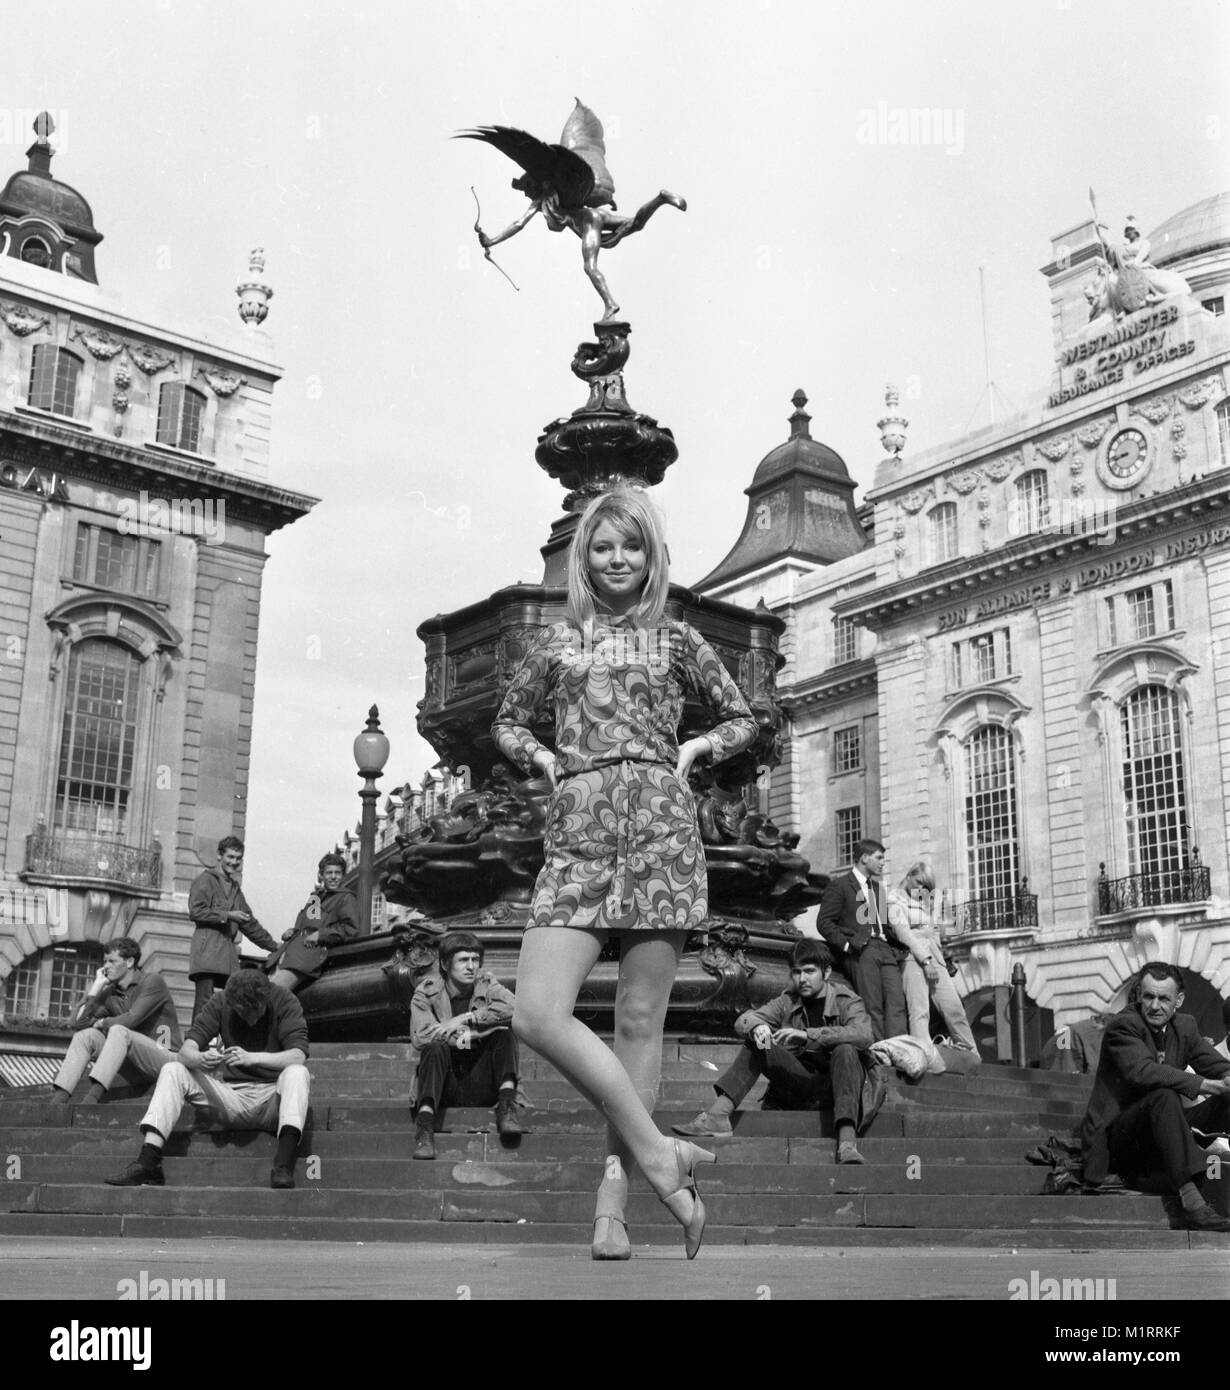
(553, 966)
(647, 967)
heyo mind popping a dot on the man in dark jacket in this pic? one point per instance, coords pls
(330, 918)
(853, 920)
(220, 912)
(256, 1079)
(126, 1024)
(1136, 1124)
(808, 1043)
(460, 1022)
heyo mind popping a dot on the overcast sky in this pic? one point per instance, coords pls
(813, 254)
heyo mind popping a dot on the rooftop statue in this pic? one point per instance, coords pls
(571, 186)
(1125, 279)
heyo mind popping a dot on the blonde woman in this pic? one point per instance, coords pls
(621, 852)
(924, 974)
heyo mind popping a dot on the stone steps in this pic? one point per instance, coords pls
(945, 1165)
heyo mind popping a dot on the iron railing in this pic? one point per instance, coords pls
(67, 854)
(1007, 913)
(1161, 888)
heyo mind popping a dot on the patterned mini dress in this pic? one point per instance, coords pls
(621, 849)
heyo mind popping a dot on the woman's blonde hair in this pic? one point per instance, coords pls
(922, 876)
(633, 514)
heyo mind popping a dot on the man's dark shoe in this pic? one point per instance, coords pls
(1204, 1218)
(425, 1137)
(137, 1175)
(506, 1122)
(706, 1126)
(281, 1177)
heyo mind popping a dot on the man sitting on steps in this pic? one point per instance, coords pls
(126, 1025)
(264, 1048)
(807, 1041)
(460, 1021)
(1153, 1058)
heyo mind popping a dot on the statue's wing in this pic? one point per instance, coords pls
(567, 173)
(584, 135)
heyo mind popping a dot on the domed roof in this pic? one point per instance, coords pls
(800, 451)
(1204, 226)
(40, 193)
(800, 508)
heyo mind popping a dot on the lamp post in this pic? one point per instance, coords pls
(371, 752)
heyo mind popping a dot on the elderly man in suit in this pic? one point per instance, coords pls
(1153, 1058)
(854, 921)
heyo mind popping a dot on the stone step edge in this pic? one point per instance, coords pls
(351, 1231)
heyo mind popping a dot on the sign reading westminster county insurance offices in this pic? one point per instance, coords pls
(1127, 350)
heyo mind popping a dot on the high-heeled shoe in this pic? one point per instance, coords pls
(610, 1228)
(684, 1203)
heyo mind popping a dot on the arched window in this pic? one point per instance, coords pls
(35, 251)
(1223, 432)
(98, 740)
(51, 983)
(180, 413)
(1033, 508)
(1154, 788)
(944, 540)
(993, 853)
(53, 379)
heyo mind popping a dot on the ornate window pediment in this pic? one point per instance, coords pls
(982, 704)
(1142, 663)
(126, 620)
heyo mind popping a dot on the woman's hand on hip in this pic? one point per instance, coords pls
(688, 753)
(544, 762)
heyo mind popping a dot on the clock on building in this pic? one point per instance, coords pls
(1126, 458)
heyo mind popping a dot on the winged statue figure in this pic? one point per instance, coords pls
(571, 186)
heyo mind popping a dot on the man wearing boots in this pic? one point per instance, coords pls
(460, 1022)
(255, 1078)
(126, 1025)
(808, 1043)
(1153, 1060)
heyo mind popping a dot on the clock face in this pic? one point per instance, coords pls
(1127, 458)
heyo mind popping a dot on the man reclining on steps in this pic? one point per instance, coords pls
(126, 1025)
(1153, 1058)
(264, 1046)
(808, 1043)
(460, 1021)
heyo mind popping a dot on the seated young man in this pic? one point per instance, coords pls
(460, 1022)
(256, 1078)
(126, 1025)
(807, 1041)
(1153, 1059)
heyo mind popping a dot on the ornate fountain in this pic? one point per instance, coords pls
(473, 865)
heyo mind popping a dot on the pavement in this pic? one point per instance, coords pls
(63, 1268)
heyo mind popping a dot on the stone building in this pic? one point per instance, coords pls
(1024, 678)
(135, 503)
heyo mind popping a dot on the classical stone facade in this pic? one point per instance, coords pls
(1035, 699)
(134, 510)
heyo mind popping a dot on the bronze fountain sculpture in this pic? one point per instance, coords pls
(473, 865)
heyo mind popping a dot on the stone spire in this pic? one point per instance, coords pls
(892, 426)
(254, 294)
